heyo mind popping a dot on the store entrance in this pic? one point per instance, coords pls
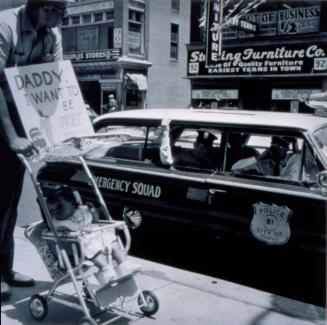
(91, 93)
(255, 94)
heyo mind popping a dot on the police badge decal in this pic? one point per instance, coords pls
(270, 223)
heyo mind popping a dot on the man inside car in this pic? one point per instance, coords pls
(275, 161)
(202, 156)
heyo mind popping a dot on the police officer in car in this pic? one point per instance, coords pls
(28, 35)
(202, 156)
(275, 161)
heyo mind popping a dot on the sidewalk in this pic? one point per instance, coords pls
(185, 298)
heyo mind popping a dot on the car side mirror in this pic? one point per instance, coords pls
(322, 181)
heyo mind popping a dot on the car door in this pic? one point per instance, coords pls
(271, 210)
(131, 175)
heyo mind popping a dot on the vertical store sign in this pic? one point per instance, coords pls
(213, 44)
(117, 38)
(49, 102)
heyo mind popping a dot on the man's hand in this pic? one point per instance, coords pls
(23, 146)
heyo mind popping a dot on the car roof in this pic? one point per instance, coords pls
(306, 122)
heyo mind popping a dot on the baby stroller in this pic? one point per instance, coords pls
(93, 299)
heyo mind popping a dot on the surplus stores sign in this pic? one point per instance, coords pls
(98, 55)
(261, 60)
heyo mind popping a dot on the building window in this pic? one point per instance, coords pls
(65, 21)
(175, 5)
(136, 32)
(109, 15)
(87, 18)
(135, 16)
(76, 20)
(110, 37)
(174, 41)
(98, 17)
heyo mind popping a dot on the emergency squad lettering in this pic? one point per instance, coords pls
(122, 185)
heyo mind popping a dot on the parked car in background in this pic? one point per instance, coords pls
(149, 166)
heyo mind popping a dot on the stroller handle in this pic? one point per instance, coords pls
(95, 188)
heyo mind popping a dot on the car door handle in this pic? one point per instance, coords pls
(214, 190)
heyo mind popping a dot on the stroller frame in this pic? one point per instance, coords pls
(101, 297)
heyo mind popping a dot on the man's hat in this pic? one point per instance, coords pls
(111, 96)
(60, 4)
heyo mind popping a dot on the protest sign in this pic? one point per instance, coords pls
(49, 102)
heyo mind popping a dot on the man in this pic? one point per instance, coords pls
(202, 156)
(275, 161)
(28, 35)
(112, 103)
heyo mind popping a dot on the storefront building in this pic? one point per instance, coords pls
(105, 41)
(109, 43)
(271, 59)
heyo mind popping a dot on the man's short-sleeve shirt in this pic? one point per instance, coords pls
(17, 42)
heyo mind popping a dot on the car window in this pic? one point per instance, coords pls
(137, 143)
(321, 138)
(196, 149)
(272, 156)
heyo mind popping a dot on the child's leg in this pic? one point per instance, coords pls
(117, 253)
(106, 271)
(100, 260)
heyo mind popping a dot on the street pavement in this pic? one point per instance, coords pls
(185, 298)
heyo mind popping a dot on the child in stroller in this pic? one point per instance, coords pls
(72, 254)
(69, 214)
(102, 248)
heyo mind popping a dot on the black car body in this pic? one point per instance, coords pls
(134, 161)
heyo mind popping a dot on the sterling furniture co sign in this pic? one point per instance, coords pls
(262, 60)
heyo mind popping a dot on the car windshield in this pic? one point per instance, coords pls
(321, 138)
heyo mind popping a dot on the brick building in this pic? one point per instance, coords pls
(133, 49)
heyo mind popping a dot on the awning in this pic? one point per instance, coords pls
(139, 79)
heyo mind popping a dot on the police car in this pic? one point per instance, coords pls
(178, 165)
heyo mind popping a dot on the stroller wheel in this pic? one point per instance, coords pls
(87, 321)
(38, 307)
(152, 303)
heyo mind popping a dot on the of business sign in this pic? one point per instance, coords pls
(99, 55)
(266, 22)
(291, 21)
(214, 93)
(299, 20)
(49, 102)
(262, 60)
